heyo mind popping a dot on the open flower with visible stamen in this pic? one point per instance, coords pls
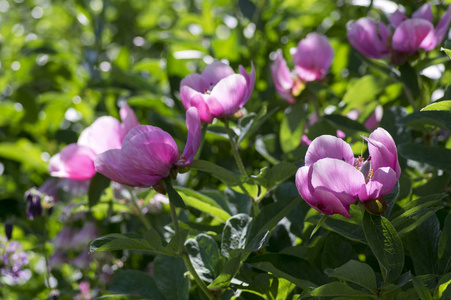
(149, 154)
(332, 179)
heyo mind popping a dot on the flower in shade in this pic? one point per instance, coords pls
(418, 32)
(312, 59)
(369, 37)
(76, 161)
(332, 179)
(409, 35)
(149, 154)
(218, 92)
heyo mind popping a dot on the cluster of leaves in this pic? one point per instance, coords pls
(64, 63)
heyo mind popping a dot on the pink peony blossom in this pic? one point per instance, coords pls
(76, 161)
(149, 154)
(218, 92)
(369, 38)
(332, 179)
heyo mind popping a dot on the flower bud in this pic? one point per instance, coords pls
(34, 206)
(8, 230)
(376, 206)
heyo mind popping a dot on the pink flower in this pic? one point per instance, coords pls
(332, 179)
(281, 76)
(218, 92)
(313, 57)
(409, 36)
(418, 32)
(76, 161)
(149, 154)
(369, 38)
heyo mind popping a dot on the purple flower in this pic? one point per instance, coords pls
(313, 57)
(149, 154)
(418, 32)
(218, 92)
(76, 161)
(369, 38)
(12, 259)
(409, 35)
(332, 179)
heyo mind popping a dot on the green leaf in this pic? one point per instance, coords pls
(97, 185)
(278, 174)
(447, 51)
(418, 120)
(437, 157)
(235, 234)
(390, 199)
(422, 290)
(410, 78)
(415, 212)
(443, 288)
(169, 276)
(203, 203)
(385, 244)
(339, 289)
(442, 105)
(134, 283)
(229, 271)
(115, 241)
(173, 196)
(292, 268)
(175, 245)
(251, 123)
(221, 173)
(205, 257)
(292, 127)
(363, 91)
(272, 213)
(358, 273)
(348, 126)
(444, 246)
(422, 244)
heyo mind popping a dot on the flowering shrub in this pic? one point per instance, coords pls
(145, 151)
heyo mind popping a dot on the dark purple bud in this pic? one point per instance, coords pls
(34, 206)
(8, 230)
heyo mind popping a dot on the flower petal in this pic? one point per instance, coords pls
(196, 82)
(328, 146)
(442, 26)
(313, 57)
(215, 72)
(375, 118)
(250, 79)
(229, 94)
(303, 180)
(413, 34)
(338, 177)
(110, 164)
(104, 134)
(369, 38)
(397, 18)
(424, 12)
(382, 183)
(128, 118)
(194, 136)
(383, 152)
(192, 98)
(329, 203)
(74, 162)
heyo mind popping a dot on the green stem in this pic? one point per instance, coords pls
(236, 155)
(185, 255)
(134, 201)
(46, 256)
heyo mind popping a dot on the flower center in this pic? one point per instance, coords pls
(365, 167)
